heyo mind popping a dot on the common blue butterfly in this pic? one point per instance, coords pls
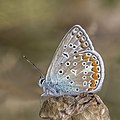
(75, 68)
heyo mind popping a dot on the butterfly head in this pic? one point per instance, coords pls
(41, 81)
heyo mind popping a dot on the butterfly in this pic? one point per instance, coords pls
(76, 67)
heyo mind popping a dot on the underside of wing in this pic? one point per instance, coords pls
(82, 72)
(76, 40)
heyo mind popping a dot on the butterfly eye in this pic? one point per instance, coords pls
(60, 71)
(41, 81)
(67, 63)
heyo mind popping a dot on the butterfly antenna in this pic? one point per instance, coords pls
(42, 76)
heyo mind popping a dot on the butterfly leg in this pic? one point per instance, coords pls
(46, 93)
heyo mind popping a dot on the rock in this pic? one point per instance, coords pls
(82, 107)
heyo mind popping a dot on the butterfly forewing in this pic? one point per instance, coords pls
(74, 41)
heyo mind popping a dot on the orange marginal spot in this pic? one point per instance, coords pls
(91, 58)
(84, 56)
(95, 69)
(95, 76)
(94, 63)
(92, 83)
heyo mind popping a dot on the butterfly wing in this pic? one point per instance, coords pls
(67, 74)
(74, 41)
(82, 72)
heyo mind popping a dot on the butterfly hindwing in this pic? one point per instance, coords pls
(82, 72)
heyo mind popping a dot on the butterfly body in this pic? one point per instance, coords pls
(76, 67)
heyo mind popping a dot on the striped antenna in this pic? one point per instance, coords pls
(42, 76)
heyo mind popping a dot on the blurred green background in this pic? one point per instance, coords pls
(34, 28)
